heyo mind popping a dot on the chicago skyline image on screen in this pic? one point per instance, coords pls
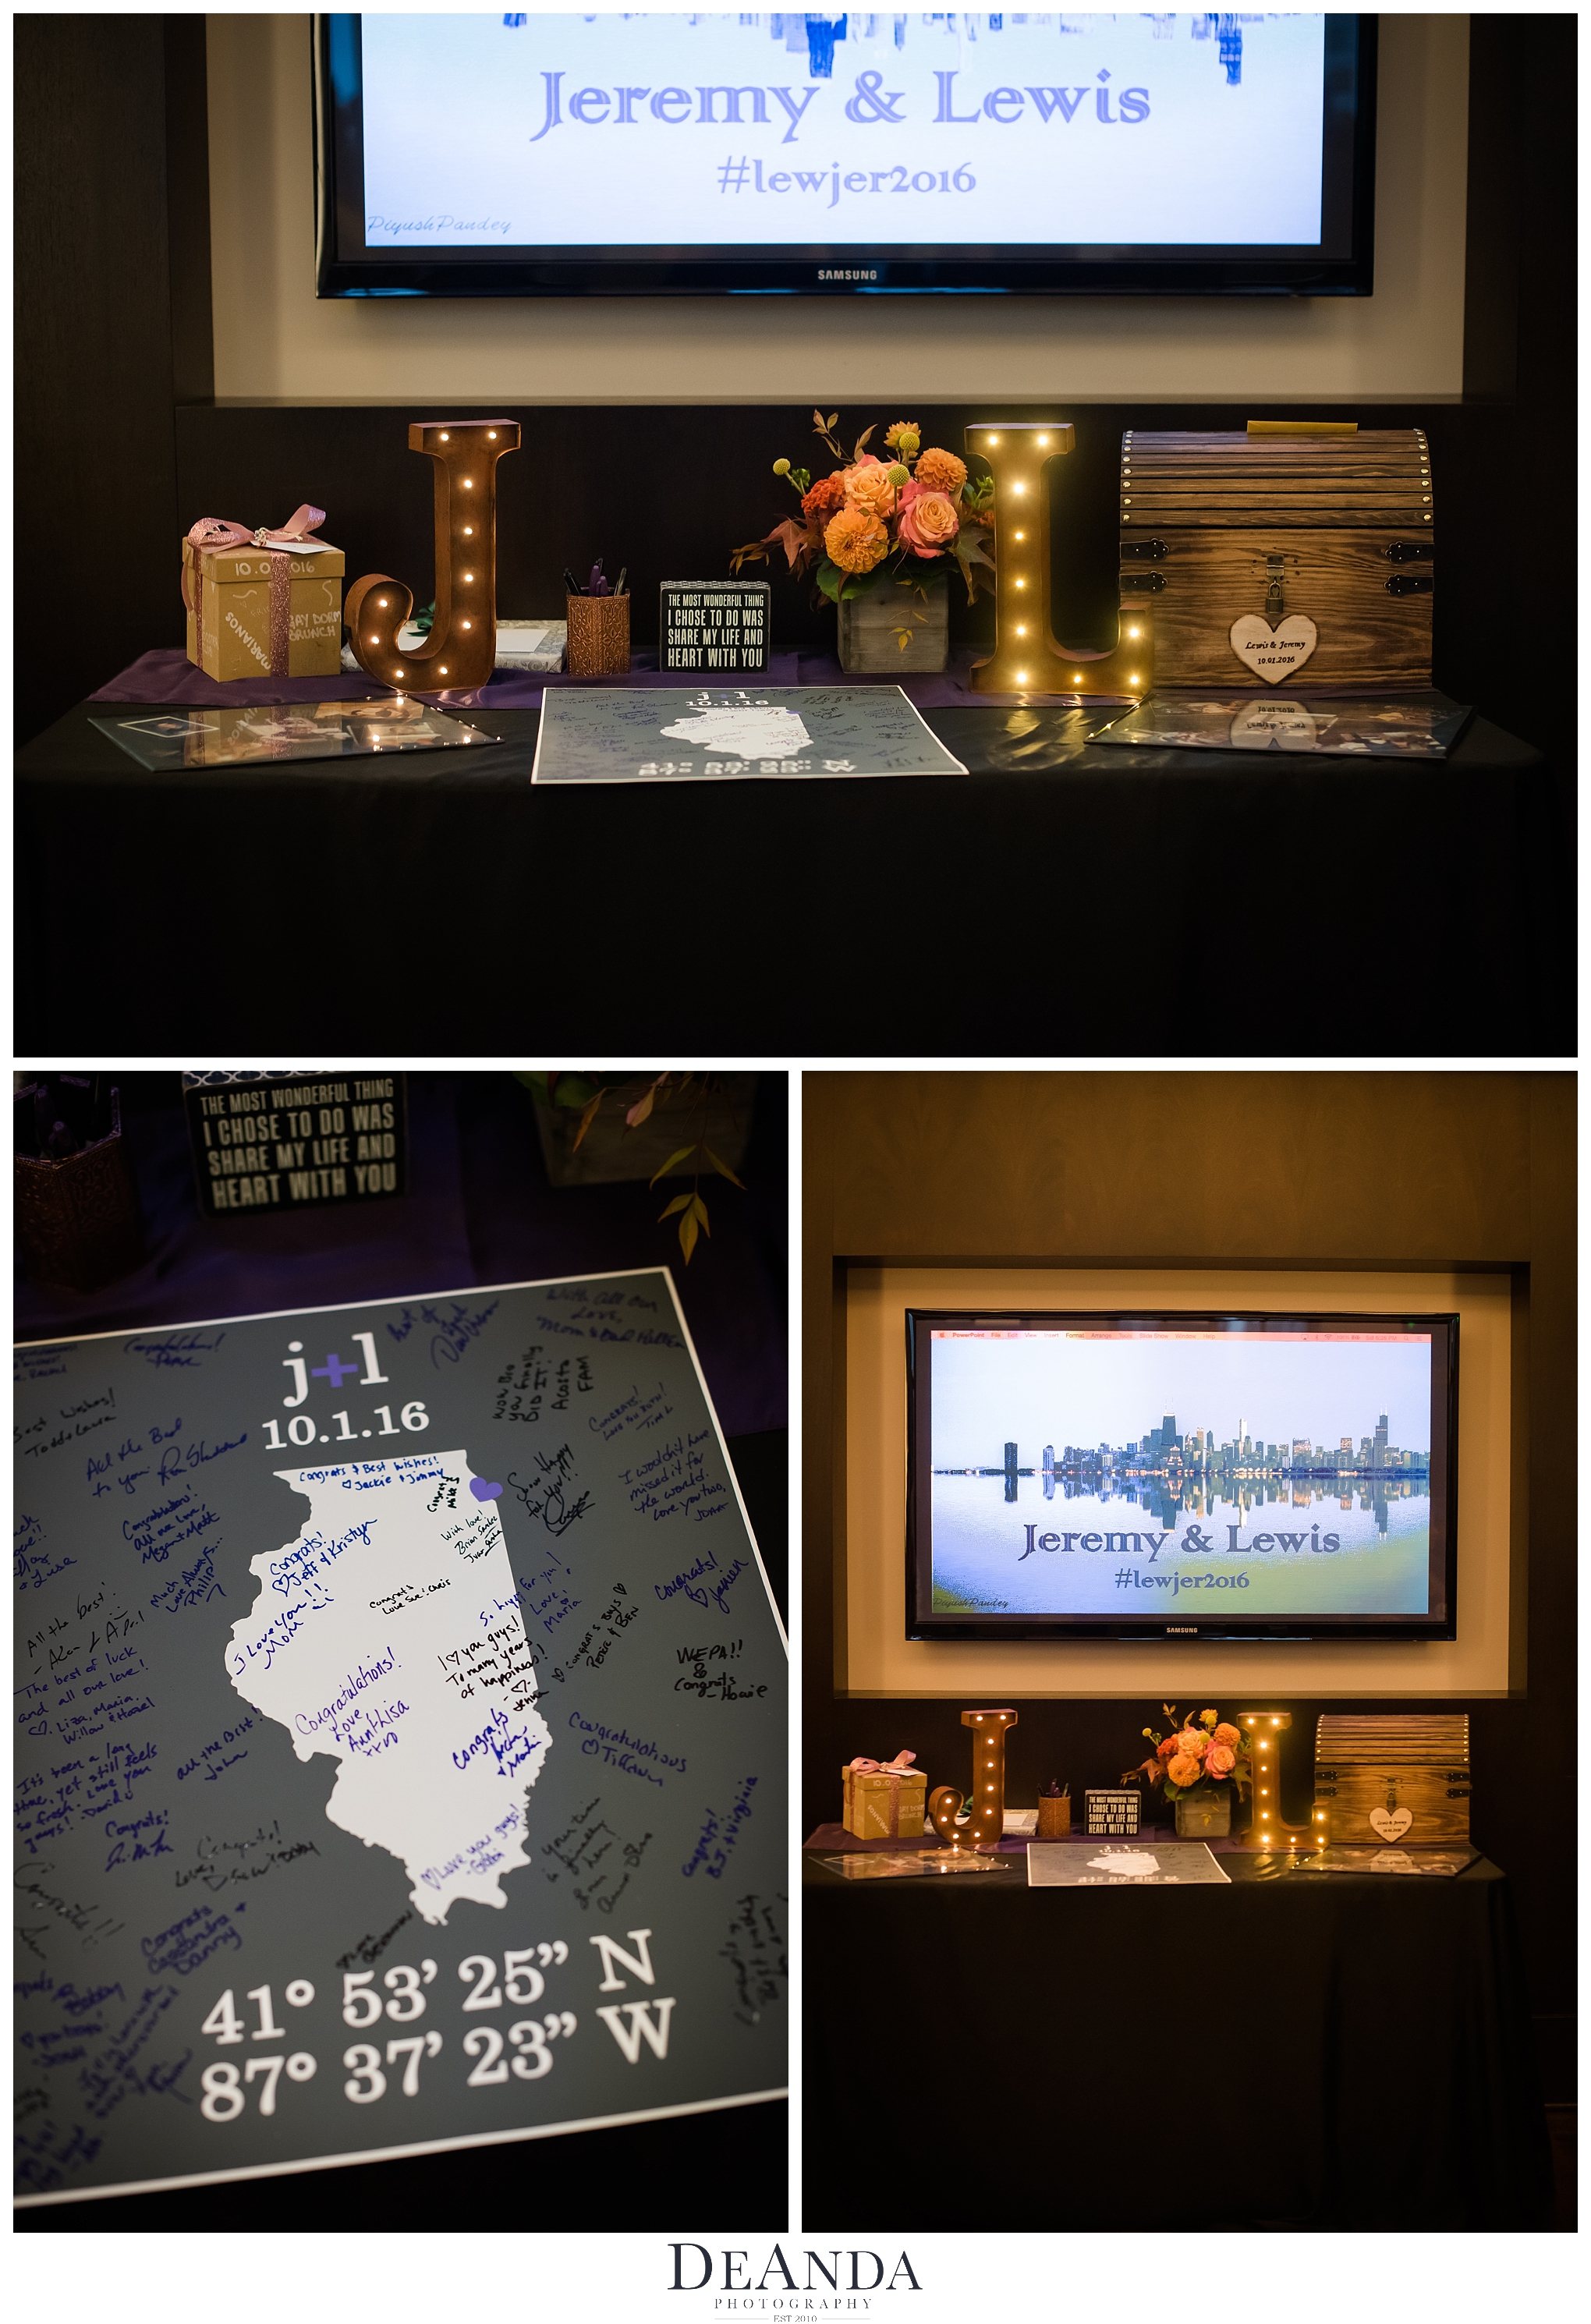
(1131, 1474)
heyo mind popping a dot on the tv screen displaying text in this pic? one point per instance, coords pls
(499, 132)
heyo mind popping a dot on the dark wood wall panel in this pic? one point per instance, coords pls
(96, 444)
(1387, 1169)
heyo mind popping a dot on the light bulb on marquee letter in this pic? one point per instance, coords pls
(464, 628)
(988, 1796)
(1027, 656)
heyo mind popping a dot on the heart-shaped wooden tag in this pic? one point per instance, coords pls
(1270, 653)
(1392, 1824)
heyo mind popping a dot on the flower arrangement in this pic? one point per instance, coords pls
(870, 521)
(1197, 1756)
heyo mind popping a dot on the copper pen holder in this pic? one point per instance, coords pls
(598, 637)
(1055, 1817)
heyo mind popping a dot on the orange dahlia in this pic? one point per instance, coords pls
(940, 472)
(855, 541)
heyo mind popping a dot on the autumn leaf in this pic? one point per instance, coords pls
(672, 1163)
(857, 447)
(753, 553)
(680, 1202)
(723, 1168)
(794, 538)
(586, 1119)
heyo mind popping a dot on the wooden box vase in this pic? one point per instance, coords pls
(892, 632)
(1278, 558)
(1399, 1782)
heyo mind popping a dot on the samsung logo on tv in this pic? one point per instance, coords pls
(1181, 1629)
(847, 274)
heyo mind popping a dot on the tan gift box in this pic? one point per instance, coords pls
(885, 1804)
(260, 612)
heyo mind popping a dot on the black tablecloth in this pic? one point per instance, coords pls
(1296, 2051)
(1065, 899)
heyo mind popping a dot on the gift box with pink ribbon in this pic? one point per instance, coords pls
(263, 604)
(884, 1798)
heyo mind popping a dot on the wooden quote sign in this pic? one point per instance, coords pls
(1028, 658)
(987, 1819)
(462, 646)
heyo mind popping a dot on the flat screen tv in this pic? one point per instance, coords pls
(1180, 1476)
(852, 156)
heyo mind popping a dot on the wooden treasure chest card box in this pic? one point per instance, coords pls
(1287, 554)
(1400, 1780)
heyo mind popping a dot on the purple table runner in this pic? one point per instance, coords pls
(166, 676)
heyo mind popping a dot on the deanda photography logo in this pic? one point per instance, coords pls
(796, 2283)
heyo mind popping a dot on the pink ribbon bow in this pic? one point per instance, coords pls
(220, 532)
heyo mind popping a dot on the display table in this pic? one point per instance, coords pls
(1066, 897)
(1297, 2050)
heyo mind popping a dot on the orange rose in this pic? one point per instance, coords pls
(855, 541)
(868, 487)
(929, 520)
(1183, 1772)
(1192, 1742)
(940, 472)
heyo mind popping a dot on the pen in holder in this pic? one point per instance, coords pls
(598, 637)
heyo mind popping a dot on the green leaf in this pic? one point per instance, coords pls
(680, 1202)
(723, 1168)
(857, 585)
(688, 1236)
(698, 1210)
(830, 580)
(671, 1164)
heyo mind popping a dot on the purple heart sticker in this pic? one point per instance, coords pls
(482, 1491)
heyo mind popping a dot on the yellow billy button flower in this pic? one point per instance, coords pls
(782, 467)
(898, 474)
